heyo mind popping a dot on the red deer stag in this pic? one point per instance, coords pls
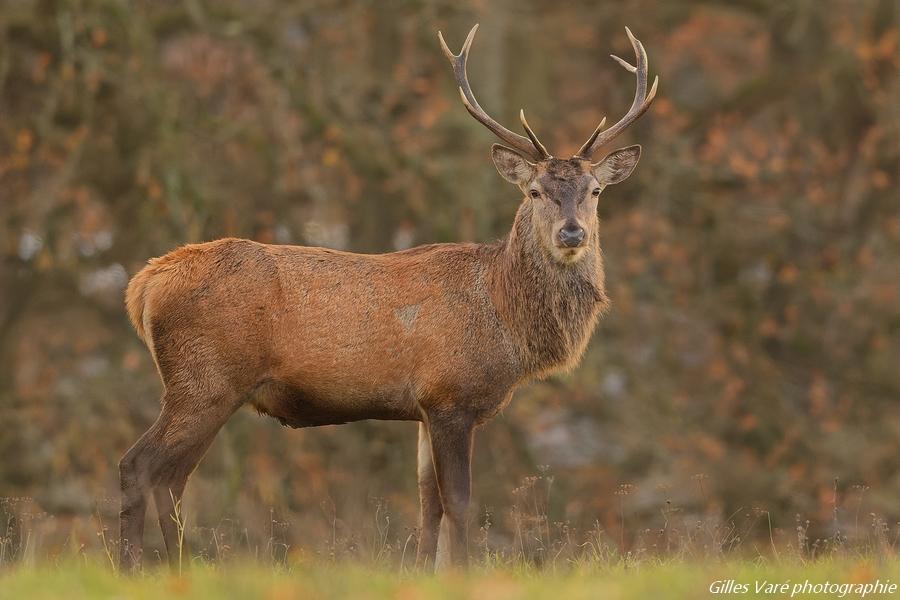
(439, 334)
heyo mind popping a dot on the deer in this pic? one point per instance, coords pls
(440, 334)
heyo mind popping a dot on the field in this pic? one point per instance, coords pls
(847, 578)
(684, 559)
(42, 556)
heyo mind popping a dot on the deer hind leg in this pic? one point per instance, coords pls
(168, 509)
(135, 486)
(430, 500)
(160, 463)
(170, 483)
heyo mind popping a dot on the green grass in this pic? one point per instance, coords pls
(671, 579)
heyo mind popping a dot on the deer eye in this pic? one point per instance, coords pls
(596, 192)
(535, 194)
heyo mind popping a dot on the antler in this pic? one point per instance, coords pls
(529, 146)
(641, 103)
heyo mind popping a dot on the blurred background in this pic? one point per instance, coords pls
(747, 374)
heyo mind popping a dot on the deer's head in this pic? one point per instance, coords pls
(564, 192)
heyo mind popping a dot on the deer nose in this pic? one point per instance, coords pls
(571, 235)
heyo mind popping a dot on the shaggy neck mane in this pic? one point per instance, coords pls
(549, 308)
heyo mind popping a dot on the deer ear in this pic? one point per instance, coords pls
(617, 166)
(511, 165)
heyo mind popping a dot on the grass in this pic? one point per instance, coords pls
(676, 555)
(673, 579)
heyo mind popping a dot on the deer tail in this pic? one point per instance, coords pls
(136, 298)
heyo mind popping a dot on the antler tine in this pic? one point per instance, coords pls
(531, 135)
(639, 106)
(530, 146)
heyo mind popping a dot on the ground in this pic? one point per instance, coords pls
(847, 577)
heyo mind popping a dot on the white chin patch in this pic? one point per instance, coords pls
(568, 255)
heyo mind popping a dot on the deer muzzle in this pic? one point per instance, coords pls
(571, 235)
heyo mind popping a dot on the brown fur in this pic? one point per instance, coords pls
(439, 334)
(344, 336)
(312, 336)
